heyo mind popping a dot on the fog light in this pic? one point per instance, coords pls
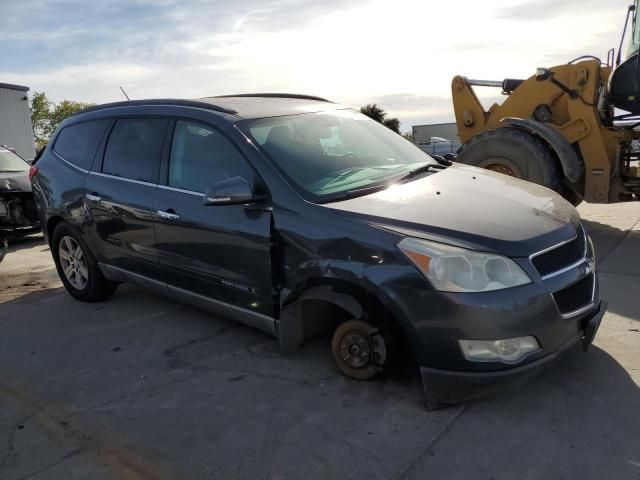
(508, 350)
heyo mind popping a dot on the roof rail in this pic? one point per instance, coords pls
(276, 95)
(161, 101)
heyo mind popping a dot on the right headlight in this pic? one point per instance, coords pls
(454, 269)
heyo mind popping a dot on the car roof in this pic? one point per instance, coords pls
(242, 106)
(271, 105)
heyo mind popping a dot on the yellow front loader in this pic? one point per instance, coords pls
(569, 127)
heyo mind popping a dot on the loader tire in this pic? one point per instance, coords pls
(570, 196)
(515, 153)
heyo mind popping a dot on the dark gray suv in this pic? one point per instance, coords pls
(299, 217)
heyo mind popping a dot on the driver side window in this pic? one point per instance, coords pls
(200, 156)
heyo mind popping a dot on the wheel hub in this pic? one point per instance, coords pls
(355, 350)
(73, 263)
(496, 167)
(503, 166)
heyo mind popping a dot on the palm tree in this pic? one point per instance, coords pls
(373, 111)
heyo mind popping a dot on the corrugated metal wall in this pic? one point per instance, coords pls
(422, 133)
(15, 123)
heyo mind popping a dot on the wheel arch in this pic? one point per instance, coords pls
(339, 296)
(52, 223)
(571, 163)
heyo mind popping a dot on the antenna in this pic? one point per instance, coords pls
(125, 94)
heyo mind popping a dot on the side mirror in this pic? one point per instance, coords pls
(231, 191)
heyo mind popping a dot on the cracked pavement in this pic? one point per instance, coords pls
(141, 387)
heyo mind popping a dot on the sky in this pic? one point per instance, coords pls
(401, 54)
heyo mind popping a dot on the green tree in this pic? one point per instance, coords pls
(39, 108)
(65, 109)
(46, 115)
(378, 114)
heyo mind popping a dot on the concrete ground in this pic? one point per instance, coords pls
(141, 387)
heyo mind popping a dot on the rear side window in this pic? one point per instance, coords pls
(134, 149)
(78, 143)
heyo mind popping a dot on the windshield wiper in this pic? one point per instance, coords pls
(429, 167)
(356, 192)
(344, 175)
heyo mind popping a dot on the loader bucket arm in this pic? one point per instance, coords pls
(468, 109)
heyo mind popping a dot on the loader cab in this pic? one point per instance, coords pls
(624, 83)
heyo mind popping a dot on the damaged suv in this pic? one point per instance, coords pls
(18, 215)
(299, 217)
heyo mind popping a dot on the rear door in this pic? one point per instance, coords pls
(120, 192)
(219, 253)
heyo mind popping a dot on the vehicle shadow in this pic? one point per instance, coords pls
(618, 266)
(21, 243)
(606, 238)
(577, 419)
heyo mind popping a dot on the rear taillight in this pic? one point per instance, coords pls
(33, 171)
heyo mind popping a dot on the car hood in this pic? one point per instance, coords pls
(471, 208)
(14, 182)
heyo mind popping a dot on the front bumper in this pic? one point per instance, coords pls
(447, 388)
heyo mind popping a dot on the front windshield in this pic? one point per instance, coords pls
(328, 155)
(634, 39)
(10, 162)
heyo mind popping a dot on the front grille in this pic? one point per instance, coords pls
(575, 296)
(562, 257)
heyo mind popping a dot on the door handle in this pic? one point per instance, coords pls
(93, 198)
(168, 215)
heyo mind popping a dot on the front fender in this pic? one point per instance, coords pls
(380, 281)
(572, 165)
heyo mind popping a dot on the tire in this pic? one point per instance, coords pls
(88, 284)
(515, 153)
(370, 354)
(570, 196)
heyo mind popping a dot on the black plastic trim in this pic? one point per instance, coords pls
(275, 95)
(161, 101)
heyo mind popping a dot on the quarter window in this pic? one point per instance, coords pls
(134, 149)
(201, 155)
(78, 143)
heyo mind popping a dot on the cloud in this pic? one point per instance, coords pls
(533, 10)
(401, 55)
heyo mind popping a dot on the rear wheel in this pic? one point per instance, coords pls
(359, 349)
(77, 267)
(514, 153)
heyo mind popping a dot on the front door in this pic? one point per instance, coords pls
(218, 254)
(119, 195)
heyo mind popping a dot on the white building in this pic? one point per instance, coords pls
(423, 133)
(15, 120)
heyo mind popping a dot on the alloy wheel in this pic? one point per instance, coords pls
(73, 262)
